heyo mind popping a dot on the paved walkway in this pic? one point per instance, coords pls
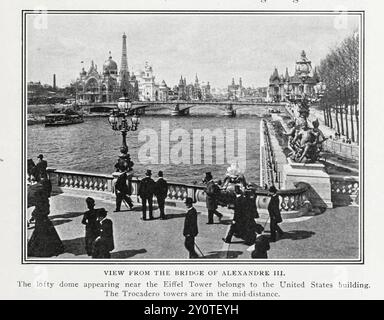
(334, 234)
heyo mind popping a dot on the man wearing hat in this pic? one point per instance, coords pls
(146, 191)
(238, 216)
(41, 167)
(274, 214)
(123, 190)
(161, 193)
(190, 229)
(104, 243)
(212, 190)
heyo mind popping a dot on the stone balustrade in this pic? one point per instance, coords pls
(268, 163)
(101, 186)
(293, 202)
(345, 190)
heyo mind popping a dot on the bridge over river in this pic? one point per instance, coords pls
(181, 108)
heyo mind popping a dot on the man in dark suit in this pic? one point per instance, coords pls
(238, 216)
(146, 191)
(41, 167)
(274, 214)
(123, 190)
(212, 191)
(190, 229)
(90, 220)
(104, 243)
(161, 193)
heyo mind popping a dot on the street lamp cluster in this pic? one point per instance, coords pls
(304, 99)
(119, 121)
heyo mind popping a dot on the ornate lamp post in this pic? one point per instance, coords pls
(304, 99)
(118, 119)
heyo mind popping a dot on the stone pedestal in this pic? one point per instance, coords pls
(314, 175)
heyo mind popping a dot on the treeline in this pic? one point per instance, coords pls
(339, 71)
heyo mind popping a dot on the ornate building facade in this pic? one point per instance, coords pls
(193, 91)
(280, 85)
(108, 84)
(236, 91)
(149, 90)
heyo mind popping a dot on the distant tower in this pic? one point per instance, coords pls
(240, 83)
(124, 60)
(54, 81)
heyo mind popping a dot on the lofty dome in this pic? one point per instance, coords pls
(110, 65)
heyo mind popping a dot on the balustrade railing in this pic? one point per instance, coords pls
(269, 163)
(105, 183)
(290, 200)
(344, 190)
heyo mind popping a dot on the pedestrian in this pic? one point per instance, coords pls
(91, 225)
(260, 248)
(274, 214)
(238, 215)
(44, 241)
(190, 228)
(123, 190)
(161, 193)
(103, 244)
(212, 191)
(41, 167)
(146, 191)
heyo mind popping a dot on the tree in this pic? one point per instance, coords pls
(339, 71)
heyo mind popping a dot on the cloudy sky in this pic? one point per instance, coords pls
(216, 47)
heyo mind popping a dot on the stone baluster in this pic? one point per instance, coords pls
(77, 182)
(86, 183)
(91, 183)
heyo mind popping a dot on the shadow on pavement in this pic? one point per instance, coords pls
(297, 234)
(67, 215)
(75, 246)
(59, 222)
(175, 215)
(126, 253)
(222, 255)
(226, 222)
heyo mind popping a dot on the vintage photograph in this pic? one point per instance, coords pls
(193, 137)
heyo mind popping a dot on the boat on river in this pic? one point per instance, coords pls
(63, 119)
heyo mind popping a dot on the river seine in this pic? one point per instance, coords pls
(93, 146)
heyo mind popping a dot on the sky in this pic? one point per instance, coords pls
(215, 47)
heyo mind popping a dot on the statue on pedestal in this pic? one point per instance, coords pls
(307, 144)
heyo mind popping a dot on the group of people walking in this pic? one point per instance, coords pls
(243, 223)
(148, 188)
(99, 241)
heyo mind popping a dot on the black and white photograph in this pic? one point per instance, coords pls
(193, 137)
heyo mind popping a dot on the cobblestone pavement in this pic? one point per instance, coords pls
(332, 235)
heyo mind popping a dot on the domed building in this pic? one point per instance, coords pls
(110, 84)
(110, 67)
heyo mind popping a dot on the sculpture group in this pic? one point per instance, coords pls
(304, 142)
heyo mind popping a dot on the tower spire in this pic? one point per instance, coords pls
(124, 60)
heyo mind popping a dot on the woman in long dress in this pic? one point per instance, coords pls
(44, 242)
